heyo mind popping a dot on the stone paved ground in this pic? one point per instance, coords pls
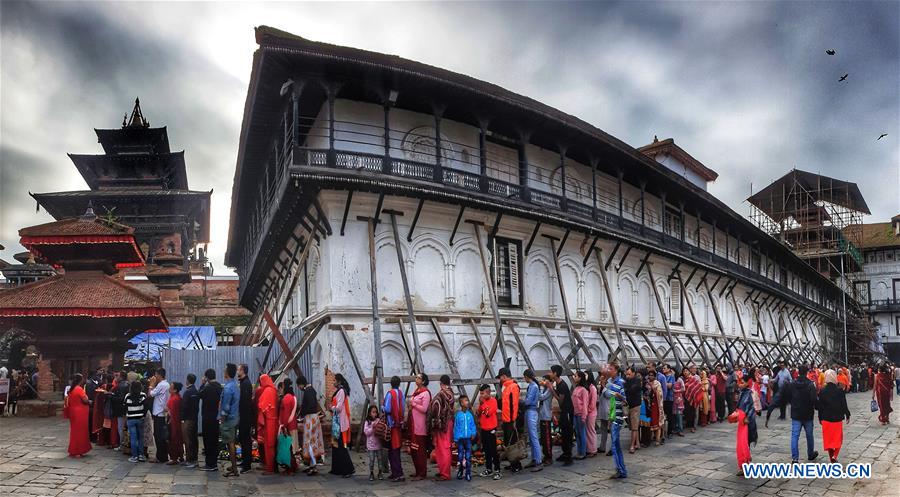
(33, 462)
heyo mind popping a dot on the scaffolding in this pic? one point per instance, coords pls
(820, 219)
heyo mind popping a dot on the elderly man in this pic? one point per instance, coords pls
(160, 396)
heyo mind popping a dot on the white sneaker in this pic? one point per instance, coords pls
(133, 459)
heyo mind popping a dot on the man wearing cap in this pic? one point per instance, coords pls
(532, 399)
(509, 412)
(563, 397)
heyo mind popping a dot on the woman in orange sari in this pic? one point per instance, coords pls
(883, 393)
(267, 421)
(76, 410)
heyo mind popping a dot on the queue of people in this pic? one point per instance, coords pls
(134, 415)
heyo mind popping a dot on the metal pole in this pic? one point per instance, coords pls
(844, 304)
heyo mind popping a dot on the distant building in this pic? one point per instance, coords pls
(877, 284)
(667, 153)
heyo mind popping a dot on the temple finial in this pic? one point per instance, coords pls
(137, 117)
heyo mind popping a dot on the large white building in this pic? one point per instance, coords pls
(496, 227)
(877, 286)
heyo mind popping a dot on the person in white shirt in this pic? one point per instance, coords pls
(160, 396)
(764, 388)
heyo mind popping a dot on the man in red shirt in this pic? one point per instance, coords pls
(487, 421)
(509, 412)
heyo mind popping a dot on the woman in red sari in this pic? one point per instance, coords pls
(76, 410)
(267, 421)
(173, 408)
(883, 393)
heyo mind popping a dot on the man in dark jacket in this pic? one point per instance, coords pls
(190, 410)
(801, 393)
(118, 405)
(210, 395)
(246, 418)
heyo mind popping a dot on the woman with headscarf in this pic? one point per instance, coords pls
(843, 379)
(832, 407)
(441, 417)
(393, 409)
(745, 417)
(313, 448)
(703, 406)
(678, 406)
(591, 424)
(580, 397)
(287, 419)
(418, 429)
(76, 410)
(656, 408)
(341, 464)
(267, 421)
(691, 398)
(883, 393)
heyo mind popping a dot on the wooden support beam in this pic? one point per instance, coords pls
(356, 366)
(376, 317)
(494, 229)
(562, 294)
(662, 311)
(489, 283)
(590, 249)
(377, 215)
(459, 216)
(562, 242)
(486, 356)
(642, 265)
(346, 211)
(562, 362)
(607, 291)
(624, 256)
(451, 362)
(687, 282)
(659, 358)
(300, 348)
(321, 218)
(512, 331)
(712, 304)
(636, 348)
(690, 308)
(537, 228)
(406, 295)
(612, 255)
(412, 227)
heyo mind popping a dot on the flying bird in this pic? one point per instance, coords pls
(830, 51)
(844, 77)
(880, 137)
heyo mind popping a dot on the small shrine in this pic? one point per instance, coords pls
(83, 317)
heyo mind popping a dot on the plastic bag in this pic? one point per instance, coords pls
(283, 453)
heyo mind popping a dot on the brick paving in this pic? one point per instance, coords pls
(33, 462)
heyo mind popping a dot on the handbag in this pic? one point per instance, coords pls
(517, 451)
(283, 452)
(874, 405)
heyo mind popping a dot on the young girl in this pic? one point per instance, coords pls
(464, 435)
(373, 443)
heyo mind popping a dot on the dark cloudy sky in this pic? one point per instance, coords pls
(745, 87)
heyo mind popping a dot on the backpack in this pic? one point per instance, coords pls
(381, 429)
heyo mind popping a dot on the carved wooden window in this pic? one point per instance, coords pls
(507, 272)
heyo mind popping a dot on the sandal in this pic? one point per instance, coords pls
(230, 473)
(631, 450)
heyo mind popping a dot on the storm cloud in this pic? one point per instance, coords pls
(745, 87)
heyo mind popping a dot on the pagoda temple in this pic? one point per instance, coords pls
(83, 317)
(139, 182)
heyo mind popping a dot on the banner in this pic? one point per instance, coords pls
(148, 345)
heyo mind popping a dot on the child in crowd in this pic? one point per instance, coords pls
(373, 443)
(487, 420)
(464, 434)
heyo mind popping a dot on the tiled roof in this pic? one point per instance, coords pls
(77, 226)
(81, 293)
(874, 235)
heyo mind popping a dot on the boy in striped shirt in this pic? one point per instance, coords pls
(615, 392)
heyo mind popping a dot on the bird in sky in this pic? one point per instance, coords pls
(830, 51)
(844, 77)
(880, 137)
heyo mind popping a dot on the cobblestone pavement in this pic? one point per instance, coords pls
(33, 462)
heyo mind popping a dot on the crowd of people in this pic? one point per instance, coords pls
(586, 415)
